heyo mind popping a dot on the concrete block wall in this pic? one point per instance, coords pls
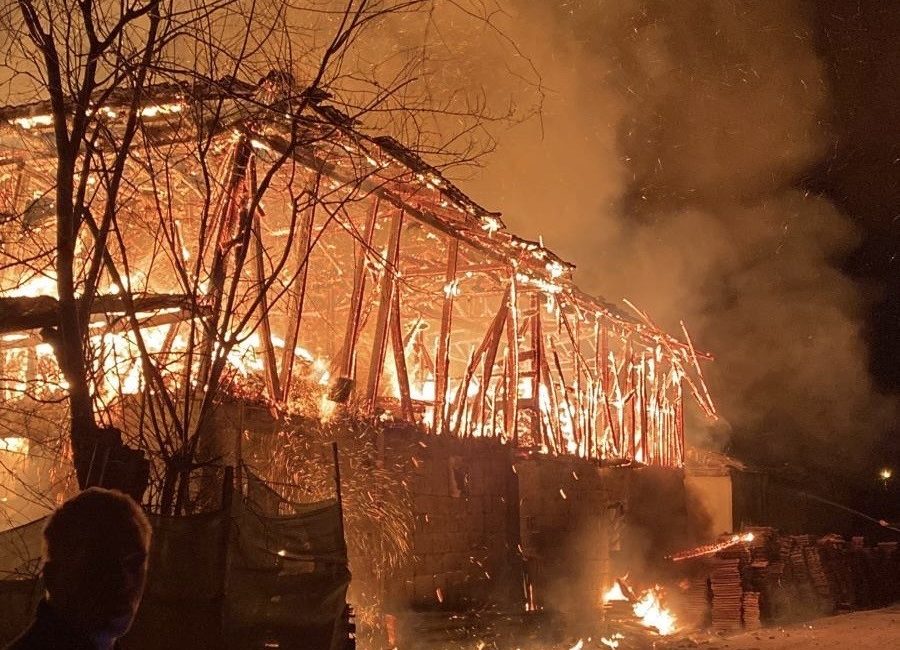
(461, 505)
(564, 521)
(487, 518)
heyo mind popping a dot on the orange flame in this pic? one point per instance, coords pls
(648, 608)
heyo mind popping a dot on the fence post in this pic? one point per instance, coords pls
(337, 487)
(227, 503)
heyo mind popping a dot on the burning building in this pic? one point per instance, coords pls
(262, 249)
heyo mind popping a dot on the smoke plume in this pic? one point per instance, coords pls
(667, 163)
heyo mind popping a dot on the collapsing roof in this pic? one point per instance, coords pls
(368, 273)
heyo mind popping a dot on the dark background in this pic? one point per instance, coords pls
(860, 45)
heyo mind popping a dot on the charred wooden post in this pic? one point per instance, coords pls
(630, 410)
(385, 303)
(603, 373)
(490, 359)
(270, 367)
(646, 449)
(298, 299)
(580, 369)
(399, 350)
(555, 434)
(225, 218)
(566, 394)
(343, 384)
(442, 362)
(537, 363)
(490, 341)
(511, 409)
(679, 422)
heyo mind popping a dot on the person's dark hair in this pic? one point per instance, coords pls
(94, 513)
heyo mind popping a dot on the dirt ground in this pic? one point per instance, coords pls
(878, 628)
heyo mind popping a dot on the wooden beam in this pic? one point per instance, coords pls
(555, 436)
(388, 282)
(462, 270)
(631, 388)
(26, 312)
(442, 362)
(156, 320)
(576, 435)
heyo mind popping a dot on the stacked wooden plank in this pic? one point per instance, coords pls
(816, 573)
(750, 606)
(695, 608)
(779, 578)
(834, 552)
(727, 593)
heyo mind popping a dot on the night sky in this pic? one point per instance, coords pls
(860, 44)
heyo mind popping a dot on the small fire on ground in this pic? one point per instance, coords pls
(647, 606)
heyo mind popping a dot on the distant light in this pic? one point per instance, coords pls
(282, 553)
(886, 474)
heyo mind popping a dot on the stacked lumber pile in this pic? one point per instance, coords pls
(695, 609)
(727, 592)
(780, 578)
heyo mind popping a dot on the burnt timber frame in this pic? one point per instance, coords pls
(445, 262)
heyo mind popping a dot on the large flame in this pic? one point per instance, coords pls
(652, 614)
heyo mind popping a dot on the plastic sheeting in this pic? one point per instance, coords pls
(245, 577)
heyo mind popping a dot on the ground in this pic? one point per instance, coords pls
(876, 629)
(873, 629)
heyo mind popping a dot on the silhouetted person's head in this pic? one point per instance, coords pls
(95, 561)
